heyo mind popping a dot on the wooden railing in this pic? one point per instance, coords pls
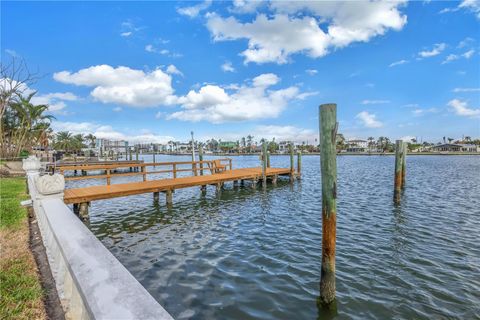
(195, 167)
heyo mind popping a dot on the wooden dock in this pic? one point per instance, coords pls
(203, 173)
(87, 194)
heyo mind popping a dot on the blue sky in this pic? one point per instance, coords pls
(154, 71)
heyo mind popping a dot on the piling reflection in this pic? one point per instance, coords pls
(327, 311)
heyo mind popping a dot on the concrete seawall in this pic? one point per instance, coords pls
(91, 282)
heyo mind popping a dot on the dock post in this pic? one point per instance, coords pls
(153, 156)
(156, 197)
(274, 180)
(268, 159)
(136, 153)
(168, 196)
(328, 163)
(130, 155)
(398, 171)
(264, 165)
(404, 163)
(292, 169)
(108, 177)
(83, 211)
(218, 187)
(75, 207)
(254, 183)
(200, 158)
(144, 171)
(299, 165)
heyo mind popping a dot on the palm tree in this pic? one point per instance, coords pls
(63, 141)
(27, 123)
(91, 139)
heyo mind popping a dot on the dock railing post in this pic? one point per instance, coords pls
(268, 159)
(328, 163)
(292, 168)
(174, 171)
(299, 164)
(200, 158)
(397, 187)
(264, 165)
(404, 163)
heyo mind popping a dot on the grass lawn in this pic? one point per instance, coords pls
(20, 290)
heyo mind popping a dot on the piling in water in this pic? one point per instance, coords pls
(299, 164)
(200, 158)
(268, 159)
(328, 163)
(264, 164)
(404, 163)
(397, 187)
(292, 169)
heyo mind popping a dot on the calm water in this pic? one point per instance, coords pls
(254, 254)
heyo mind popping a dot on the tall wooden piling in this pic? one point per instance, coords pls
(153, 156)
(404, 163)
(130, 154)
(268, 159)
(292, 168)
(397, 187)
(299, 164)
(328, 162)
(200, 158)
(264, 165)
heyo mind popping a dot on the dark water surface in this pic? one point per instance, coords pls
(254, 254)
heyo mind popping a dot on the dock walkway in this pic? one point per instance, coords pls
(87, 194)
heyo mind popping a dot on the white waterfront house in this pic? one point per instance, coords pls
(456, 147)
(357, 145)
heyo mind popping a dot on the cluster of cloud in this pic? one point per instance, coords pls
(107, 132)
(227, 67)
(128, 29)
(56, 101)
(213, 103)
(469, 5)
(312, 28)
(369, 120)
(365, 102)
(123, 85)
(452, 57)
(253, 101)
(461, 108)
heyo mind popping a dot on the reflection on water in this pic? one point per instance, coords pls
(249, 253)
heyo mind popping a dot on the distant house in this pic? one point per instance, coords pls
(357, 145)
(117, 146)
(456, 147)
(283, 146)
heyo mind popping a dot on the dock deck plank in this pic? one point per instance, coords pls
(88, 194)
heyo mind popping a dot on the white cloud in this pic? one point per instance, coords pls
(419, 112)
(107, 132)
(471, 5)
(468, 54)
(126, 34)
(465, 42)
(246, 6)
(311, 72)
(193, 11)
(369, 120)
(452, 57)
(171, 69)
(461, 108)
(123, 85)
(227, 67)
(466, 90)
(285, 133)
(117, 109)
(128, 28)
(397, 63)
(436, 50)
(375, 101)
(273, 38)
(255, 101)
(55, 101)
